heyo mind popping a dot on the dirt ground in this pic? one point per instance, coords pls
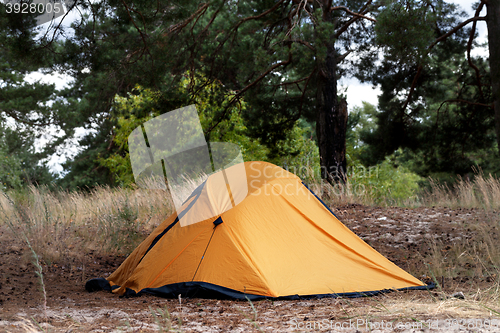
(402, 235)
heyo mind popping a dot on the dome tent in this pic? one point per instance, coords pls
(278, 241)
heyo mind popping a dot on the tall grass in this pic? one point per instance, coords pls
(62, 225)
(476, 255)
(480, 192)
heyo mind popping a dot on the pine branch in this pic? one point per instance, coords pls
(300, 41)
(347, 10)
(304, 91)
(362, 12)
(343, 56)
(22, 120)
(455, 29)
(143, 37)
(458, 100)
(242, 91)
(179, 26)
(430, 47)
(234, 29)
(413, 86)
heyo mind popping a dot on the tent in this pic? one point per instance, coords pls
(279, 241)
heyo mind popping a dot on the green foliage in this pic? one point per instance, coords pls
(292, 151)
(211, 101)
(434, 105)
(107, 55)
(360, 120)
(387, 182)
(391, 181)
(448, 126)
(145, 102)
(162, 56)
(300, 153)
(404, 29)
(20, 164)
(140, 101)
(10, 170)
(25, 111)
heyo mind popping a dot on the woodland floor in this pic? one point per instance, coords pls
(402, 235)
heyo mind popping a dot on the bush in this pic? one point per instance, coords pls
(10, 171)
(386, 182)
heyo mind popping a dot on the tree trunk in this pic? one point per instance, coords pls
(493, 23)
(332, 115)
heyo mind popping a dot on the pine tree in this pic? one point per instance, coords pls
(283, 56)
(436, 100)
(25, 111)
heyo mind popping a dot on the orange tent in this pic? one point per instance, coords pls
(280, 240)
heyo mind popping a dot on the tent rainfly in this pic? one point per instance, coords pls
(279, 241)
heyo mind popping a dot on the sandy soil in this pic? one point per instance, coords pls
(402, 235)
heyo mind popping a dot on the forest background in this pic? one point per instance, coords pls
(264, 75)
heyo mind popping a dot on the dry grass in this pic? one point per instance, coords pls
(473, 258)
(63, 226)
(341, 194)
(402, 308)
(180, 191)
(113, 220)
(478, 255)
(481, 192)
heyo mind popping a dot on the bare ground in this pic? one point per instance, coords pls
(408, 237)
